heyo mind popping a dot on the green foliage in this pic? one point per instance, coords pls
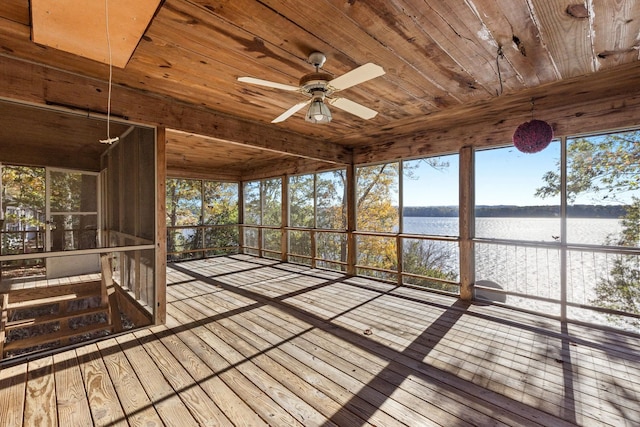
(194, 204)
(604, 166)
(272, 202)
(317, 201)
(24, 187)
(377, 210)
(252, 203)
(183, 201)
(621, 289)
(330, 200)
(631, 225)
(377, 198)
(220, 202)
(301, 201)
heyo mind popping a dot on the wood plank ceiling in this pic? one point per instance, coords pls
(448, 64)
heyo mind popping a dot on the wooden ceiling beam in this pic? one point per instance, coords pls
(37, 83)
(603, 101)
(285, 167)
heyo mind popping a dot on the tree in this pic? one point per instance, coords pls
(620, 289)
(377, 210)
(197, 204)
(607, 168)
(220, 208)
(183, 200)
(23, 189)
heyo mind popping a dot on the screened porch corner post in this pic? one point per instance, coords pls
(284, 221)
(160, 308)
(467, 223)
(351, 219)
(241, 217)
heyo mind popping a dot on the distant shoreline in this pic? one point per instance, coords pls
(512, 211)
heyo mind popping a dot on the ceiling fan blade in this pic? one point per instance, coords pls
(356, 76)
(267, 83)
(353, 108)
(290, 112)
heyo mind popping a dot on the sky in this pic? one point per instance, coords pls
(503, 177)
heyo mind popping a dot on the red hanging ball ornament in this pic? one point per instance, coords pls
(533, 136)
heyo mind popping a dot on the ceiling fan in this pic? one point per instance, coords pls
(320, 87)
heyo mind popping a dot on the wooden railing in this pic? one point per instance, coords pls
(200, 249)
(314, 259)
(552, 278)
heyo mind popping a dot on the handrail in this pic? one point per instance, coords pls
(624, 250)
(201, 226)
(40, 255)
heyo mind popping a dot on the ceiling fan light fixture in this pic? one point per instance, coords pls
(320, 87)
(318, 112)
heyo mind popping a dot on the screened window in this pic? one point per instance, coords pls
(301, 201)
(263, 206)
(252, 203)
(330, 200)
(184, 202)
(430, 196)
(272, 213)
(200, 217)
(603, 189)
(318, 200)
(221, 202)
(511, 201)
(377, 198)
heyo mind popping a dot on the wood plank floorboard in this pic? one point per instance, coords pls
(13, 380)
(72, 404)
(136, 405)
(336, 345)
(260, 328)
(102, 398)
(40, 403)
(258, 342)
(167, 402)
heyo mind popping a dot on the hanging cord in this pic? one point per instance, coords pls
(499, 55)
(109, 140)
(533, 104)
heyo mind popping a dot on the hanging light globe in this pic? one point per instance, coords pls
(533, 136)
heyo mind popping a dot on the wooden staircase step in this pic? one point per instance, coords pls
(40, 320)
(56, 336)
(79, 290)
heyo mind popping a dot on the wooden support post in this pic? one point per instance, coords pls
(137, 282)
(108, 293)
(4, 318)
(106, 278)
(350, 186)
(240, 217)
(314, 248)
(399, 267)
(160, 309)
(284, 222)
(467, 224)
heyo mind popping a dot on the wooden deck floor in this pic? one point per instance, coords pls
(255, 342)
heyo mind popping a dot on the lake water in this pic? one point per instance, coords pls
(579, 230)
(535, 271)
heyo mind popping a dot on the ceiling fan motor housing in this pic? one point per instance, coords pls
(317, 59)
(313, 82)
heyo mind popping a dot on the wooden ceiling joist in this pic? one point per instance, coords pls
(39, 84)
